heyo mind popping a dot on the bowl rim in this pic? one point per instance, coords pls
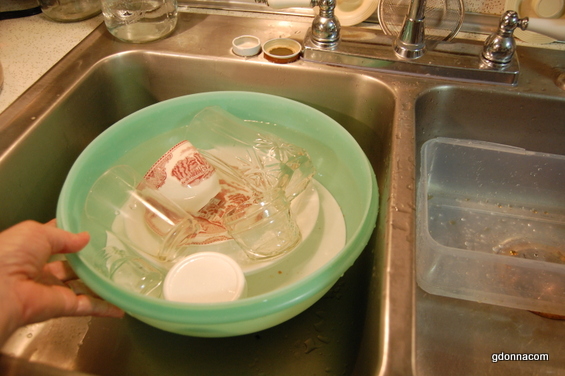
(235, 311)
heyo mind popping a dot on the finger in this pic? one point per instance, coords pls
(79, 304)
(79, 288)
(58, 301)
(52, 223)
(90, 306)
(42, 238)
(60, 269)
(61, 273)
(62, 241)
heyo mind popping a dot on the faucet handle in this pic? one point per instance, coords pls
(325, 27)
(510, 21)
(500, 46)
(554, 28)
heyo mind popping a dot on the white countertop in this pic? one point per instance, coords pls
(30, 46)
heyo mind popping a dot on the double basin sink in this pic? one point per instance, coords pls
(375, 320)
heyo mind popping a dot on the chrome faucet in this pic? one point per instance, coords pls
(500, 46)
(493, 62)
(325, 32)
(410, 43)
(325, 27)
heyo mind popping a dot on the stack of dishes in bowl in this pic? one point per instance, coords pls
(335, 213)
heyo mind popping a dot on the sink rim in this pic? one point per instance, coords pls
(393, 294)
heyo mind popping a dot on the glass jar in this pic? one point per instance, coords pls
(70, 10)
(140, 21)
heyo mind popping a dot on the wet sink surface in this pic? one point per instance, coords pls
(375, 320)
(535, 124)
(71, 111)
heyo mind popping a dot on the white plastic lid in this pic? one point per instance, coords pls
(246, 45)
(205, 277)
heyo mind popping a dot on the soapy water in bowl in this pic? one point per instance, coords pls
(318, 215)
(320, 219)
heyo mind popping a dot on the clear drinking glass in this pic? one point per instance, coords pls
(124, 265)
(70, 10)
(140, 21)
(266, 162)
(265, 228)
(116, 258)
(133, 272)
(123, 204)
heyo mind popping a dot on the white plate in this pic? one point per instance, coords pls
(317, 214)
(305, 209)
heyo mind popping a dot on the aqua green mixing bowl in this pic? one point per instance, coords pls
(342, 168)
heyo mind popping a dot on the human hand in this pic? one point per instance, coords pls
(33, 290)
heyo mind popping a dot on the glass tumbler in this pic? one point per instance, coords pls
(123, 204)
(264, 228)
(70, 10)
(140, 21)
(133, 272)
(120, 261)
(265, 161)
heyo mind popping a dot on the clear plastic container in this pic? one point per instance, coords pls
(491, 224)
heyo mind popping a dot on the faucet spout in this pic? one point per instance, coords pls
(410, 43)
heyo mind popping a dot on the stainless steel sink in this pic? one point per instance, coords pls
(375, 320)
(460, 337)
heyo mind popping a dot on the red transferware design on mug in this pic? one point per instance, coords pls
(192, 170)
(183, 175)
(183, 172)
